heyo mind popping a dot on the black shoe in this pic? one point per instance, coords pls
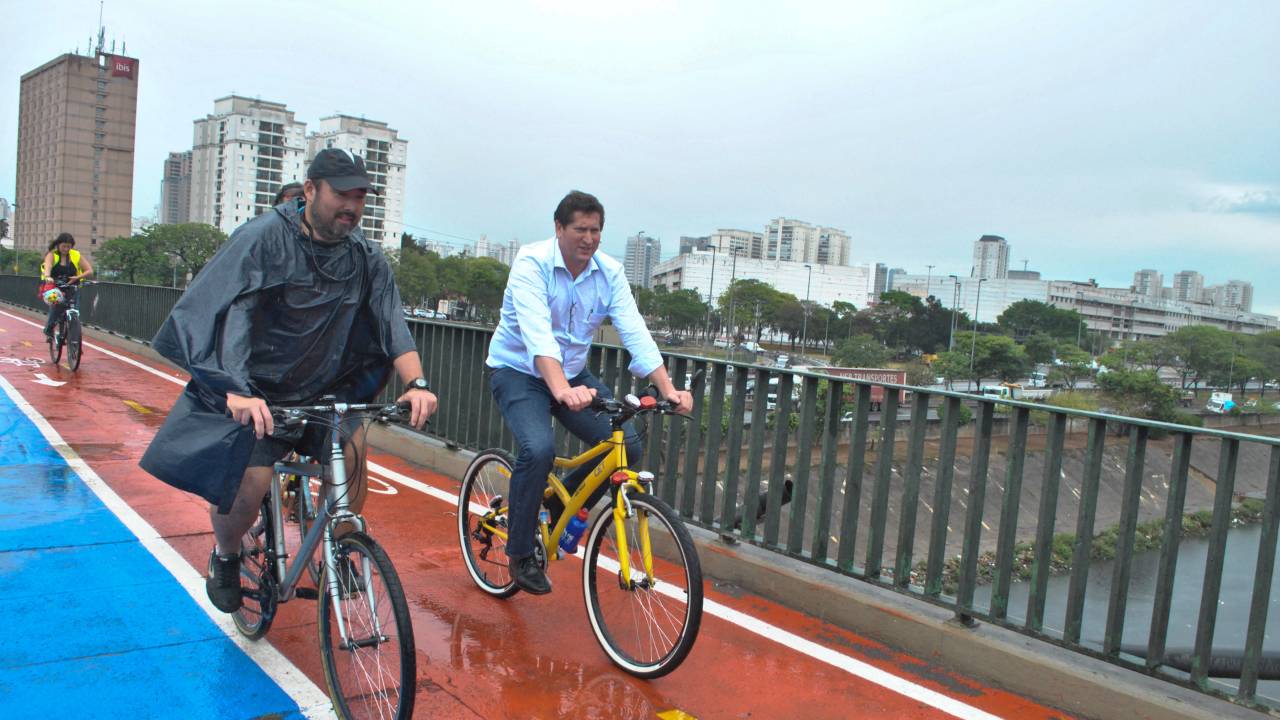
(48, 334)
(528, 575)
(223, 582)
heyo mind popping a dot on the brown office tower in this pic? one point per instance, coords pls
(76, 120)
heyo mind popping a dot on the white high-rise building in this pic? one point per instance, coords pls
(1234, 294)
(243, 152)
(744, 243)
(1188, 286)
(798, 241)
(641, 257)
(385, 155)
(990, 258)
(1148, 283)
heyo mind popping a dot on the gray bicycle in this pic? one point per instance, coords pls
(366, 636)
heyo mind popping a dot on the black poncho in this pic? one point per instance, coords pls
(278, 316)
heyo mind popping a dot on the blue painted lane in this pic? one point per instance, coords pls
(97, 627)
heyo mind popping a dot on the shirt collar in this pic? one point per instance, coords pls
(557, 261)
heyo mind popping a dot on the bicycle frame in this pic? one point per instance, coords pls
(614, 449)
(333, 509)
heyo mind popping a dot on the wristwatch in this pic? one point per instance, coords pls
(418, 384)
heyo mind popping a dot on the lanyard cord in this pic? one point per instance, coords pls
(355, 266)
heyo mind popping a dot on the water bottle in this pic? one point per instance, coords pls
(573, 531)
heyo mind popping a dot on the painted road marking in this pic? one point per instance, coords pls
(137, 407)
(311, 700)
(675, 715)
(43, 379)
(789, 640)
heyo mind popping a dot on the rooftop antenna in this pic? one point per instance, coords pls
(102, 31)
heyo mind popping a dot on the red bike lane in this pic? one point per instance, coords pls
(479, 657)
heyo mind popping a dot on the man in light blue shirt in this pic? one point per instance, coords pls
(558, 293)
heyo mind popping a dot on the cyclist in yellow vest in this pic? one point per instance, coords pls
(62, 264)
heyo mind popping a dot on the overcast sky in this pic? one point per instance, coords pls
(1097, 137)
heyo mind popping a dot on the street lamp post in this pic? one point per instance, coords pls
(973, 339)
(711, 293)
(1231, 367)
(733, 276)
(928, 281)
(955, 307)
(804, 325)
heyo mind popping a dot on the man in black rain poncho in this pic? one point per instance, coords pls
(296, 305)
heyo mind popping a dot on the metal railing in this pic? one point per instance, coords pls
(1031, 518)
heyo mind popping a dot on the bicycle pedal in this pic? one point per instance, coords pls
(306, 593)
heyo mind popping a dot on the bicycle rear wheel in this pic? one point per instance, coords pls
(482, 506)
(646, 623)
(372, 672)
(55, 342)
(257, 585)
(73, 343)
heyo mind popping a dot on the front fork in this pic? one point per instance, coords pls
(622, 510)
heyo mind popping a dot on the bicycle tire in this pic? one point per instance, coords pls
(73, 343)
(647, 626)
(55, 342)
(254, 617)
(378, 677)
(486, 482)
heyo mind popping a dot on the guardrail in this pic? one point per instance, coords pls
(908, 504)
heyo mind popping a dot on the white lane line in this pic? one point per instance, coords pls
(787, 639)
(311, 700)
(104, 351)
(790, 640)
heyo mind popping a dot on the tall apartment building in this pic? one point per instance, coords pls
(385, 154)
(641, 257)
(76, 122)
(175, 189)
(1188, 286)
(990, 258)
(242, 153)
(743, 243)
(1234, 294)
(6, 224)
(791, 240)
(1148, 283)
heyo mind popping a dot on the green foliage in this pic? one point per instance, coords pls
(21, 262)
(861, 351)
(681, 309)
(1139, 393)
(1066, 401)
(1040, 348)
(919, 373)
(424, 277)
(159, 254)
(994, 356)
(1073, 367)
(1027, 318)
(963, 414)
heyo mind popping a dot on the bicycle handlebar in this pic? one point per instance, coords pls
(293, 415)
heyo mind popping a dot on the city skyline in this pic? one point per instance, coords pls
(903, 125)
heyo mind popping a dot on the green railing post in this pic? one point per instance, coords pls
(911, 489)
(884, 476)
(942, 498)
(853, 478)
(1084, 530)
(1228, 456)
(1135, 463)
(973, 517)
(1008, 534)
(1046, 521)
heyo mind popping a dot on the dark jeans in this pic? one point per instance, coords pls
(57, 310)
(527, 406)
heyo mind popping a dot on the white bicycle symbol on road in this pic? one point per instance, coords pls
(22, 362)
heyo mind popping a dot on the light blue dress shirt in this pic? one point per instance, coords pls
(546, 311)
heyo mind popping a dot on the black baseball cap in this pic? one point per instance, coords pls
(341, 169)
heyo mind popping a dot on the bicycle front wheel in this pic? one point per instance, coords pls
(482, 509)
(646, 622)
(371, 670)
(55, 342)
(73, 343)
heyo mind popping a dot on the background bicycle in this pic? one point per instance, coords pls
(66, 331)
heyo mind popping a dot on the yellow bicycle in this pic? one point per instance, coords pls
(641, 578)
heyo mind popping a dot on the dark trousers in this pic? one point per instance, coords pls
(57, 310)
(527, 406)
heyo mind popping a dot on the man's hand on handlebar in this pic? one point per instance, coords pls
(245, 410)
(576, 398)
(682, 400)
(422, 405)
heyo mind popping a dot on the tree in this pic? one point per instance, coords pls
(186, 247)
(861, 351)
(1029, 317)
(682, 309)
(645, 299)
(1203, 351)
(1040, 348)
(415, 273)
(1072, 367)
(134, 260)
(1140, 393)
(21, 262)
(486, 282)
(995, 356)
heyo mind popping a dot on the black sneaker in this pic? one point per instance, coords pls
(528, 575)
(223, 582)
